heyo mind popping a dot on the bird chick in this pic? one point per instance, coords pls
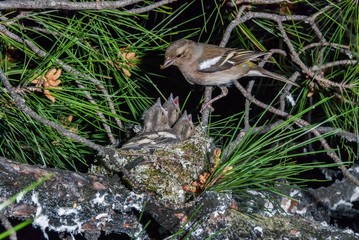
(184, 127)
(156, 129)
(211, 65)
(155, 118)
(149, 115)
(161, 122)
(173, 109)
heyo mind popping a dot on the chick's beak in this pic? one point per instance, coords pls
(168, 62)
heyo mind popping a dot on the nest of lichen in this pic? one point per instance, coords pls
(166, 170)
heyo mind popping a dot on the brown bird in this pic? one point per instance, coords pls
(184, 127)
(155, 118)
(211, 65)
(173, 109)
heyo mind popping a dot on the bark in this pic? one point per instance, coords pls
(69, 201)
(81, 203)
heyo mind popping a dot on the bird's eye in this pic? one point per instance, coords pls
(179, 55)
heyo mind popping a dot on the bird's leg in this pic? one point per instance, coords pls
(209, 103)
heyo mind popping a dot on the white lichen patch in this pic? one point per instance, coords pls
(102, 215)
(291, 100)
(68, 220)
(100, 199)
(270, 209)
(355, 195)
(198, 232)
(42, 222)
(341, 202)
(66, 211)
(134, 200)
(75, 228)
(20, 196)
(259, 231)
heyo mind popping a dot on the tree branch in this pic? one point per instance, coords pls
(77, 73)
(150, 7)
(70, 201)
(66, 5)
(20, 103)
(330, 152)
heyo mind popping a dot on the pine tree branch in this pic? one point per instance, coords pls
(66, 5)
(77, 73)
(20, 103)
(279, 19)
(330, 152)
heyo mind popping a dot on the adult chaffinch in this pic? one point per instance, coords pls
(211, 65)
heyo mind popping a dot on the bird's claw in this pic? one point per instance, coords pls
(207, 105)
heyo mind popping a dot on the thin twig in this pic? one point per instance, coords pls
(351, 137)
(332, 64)
(287, 94)
(254, 130)
(206, 111)
(344, 99)
(7, 225)
(234, 23)
(150, 7)
(247, 107)
(263, 1)
(343, 48)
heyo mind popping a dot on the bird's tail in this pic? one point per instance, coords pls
(258, 71)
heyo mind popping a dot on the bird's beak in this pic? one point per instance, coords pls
(168, 62)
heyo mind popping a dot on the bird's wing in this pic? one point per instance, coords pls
(227, 59)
